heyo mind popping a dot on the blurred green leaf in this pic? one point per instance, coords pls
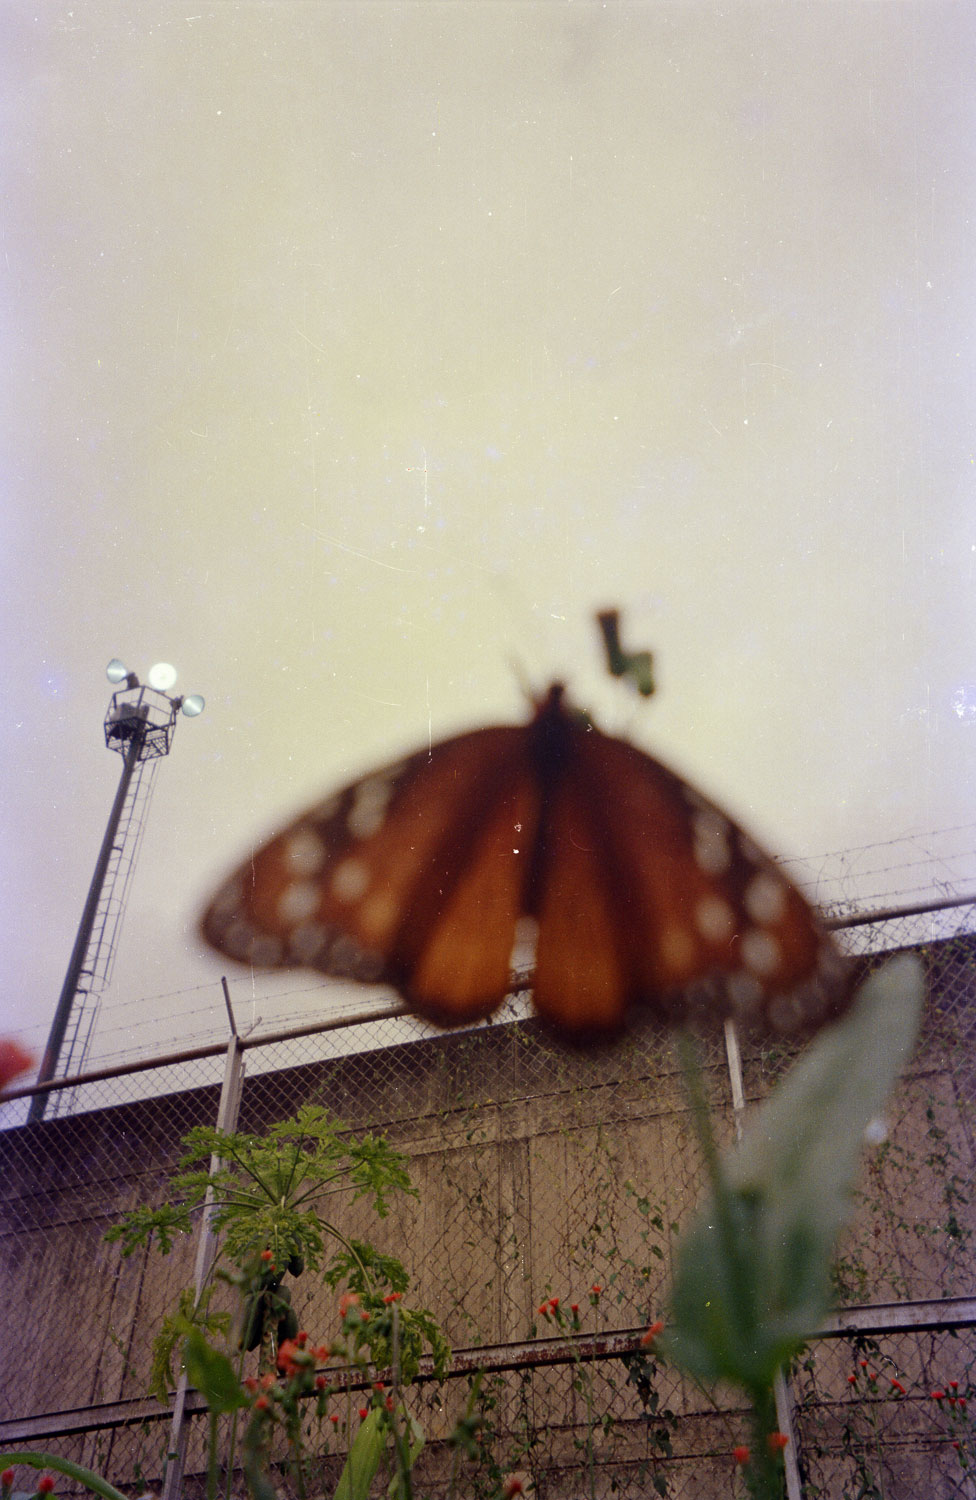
(364, 1458)
(212, 1374)
(752, 1276)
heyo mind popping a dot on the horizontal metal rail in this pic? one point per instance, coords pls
(567, 1349)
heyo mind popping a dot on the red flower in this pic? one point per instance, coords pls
(512, 1486)
(267, 1255)
(334, 1419)
(777, 1441)
(864, 1364)
(346, 1301)
(962, 1403)
(648, 1338)
(595, 1289)
(262, 1403)
(364, 1412)
(389, 1403)
(741, 1454)
(953, 1385)
(301, 1338)
(322, 1352)
(7, 1477)
(13, 1061)
(321, 1384)
(852, 1380)
(392, 1297)
(250, 1384)
(45, 1484)
(574, 1308)
(938, 1395)
(286, 1357)
(896, 1385)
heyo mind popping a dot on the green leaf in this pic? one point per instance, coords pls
(212, 1374)
(38, 1460)
(752, 1277)
(363, 1460)
(417, 1439)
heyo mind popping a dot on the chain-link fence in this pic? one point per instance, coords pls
(540, 1173)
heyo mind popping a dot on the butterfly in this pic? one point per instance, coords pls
(643, 896)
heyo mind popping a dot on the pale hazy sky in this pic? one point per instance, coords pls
(357, 352)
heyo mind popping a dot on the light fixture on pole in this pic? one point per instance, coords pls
(140, 723)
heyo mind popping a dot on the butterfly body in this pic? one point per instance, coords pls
(643, 895)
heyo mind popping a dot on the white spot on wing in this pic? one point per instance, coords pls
(236, 937)
(378, 916)
(711, 848)
(369, 803)
(765, 898)
(309, 941)
(714, 919)
(264, 951)
(350, 879)
(760, 952)
(304, 852)
(298, 901)
(744, 992)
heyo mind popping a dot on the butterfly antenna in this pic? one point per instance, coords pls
(638, 666)
(521, 677)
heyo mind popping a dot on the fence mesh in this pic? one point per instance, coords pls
(539, 1173)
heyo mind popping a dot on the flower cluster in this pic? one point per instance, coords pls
(950, 1402)
(278, 1396)
(553, 1312)
(775, 1442)
(44, 1486)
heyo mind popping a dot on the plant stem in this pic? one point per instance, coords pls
(212, 1462)
(764, 1472)
(877, 1446)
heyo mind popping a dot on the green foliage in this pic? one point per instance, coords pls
(365, 1456)
(266, 1197)
(189, 1315)
(212, 1374)
(753, 1273)
(265, 1187)
(65, 1466)
(366, 1272)
(752, 1276)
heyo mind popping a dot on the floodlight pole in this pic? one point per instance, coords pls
(139, 725)
(86, 926)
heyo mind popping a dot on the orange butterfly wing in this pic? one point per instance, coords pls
(412, 876)
(654, 900)
(646, 897)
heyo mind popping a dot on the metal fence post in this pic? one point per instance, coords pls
(227, 1115)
